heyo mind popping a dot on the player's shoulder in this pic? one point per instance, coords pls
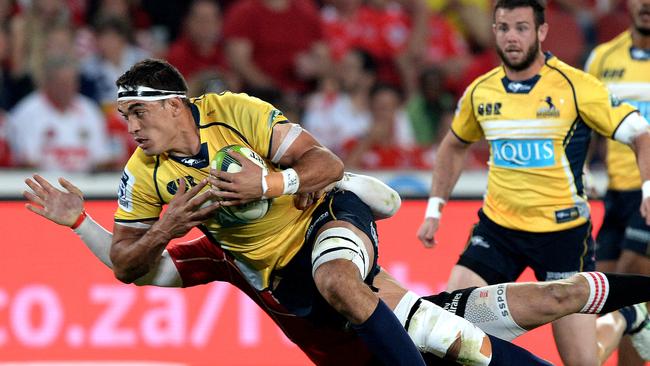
(492, 76)
(579, 79)
(227, 100)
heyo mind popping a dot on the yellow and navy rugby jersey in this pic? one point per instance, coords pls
(149, 182)
(626, 72)
(538, 131)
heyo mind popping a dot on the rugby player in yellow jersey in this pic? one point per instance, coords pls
(623, 241)
(537, 114)
(314, 260)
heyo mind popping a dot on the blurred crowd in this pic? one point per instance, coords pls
(376, 81)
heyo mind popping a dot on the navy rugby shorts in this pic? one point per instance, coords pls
(623, 226)
(499, 254)
(296, 289)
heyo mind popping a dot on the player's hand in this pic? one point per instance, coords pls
(645, 210)
(303, 200)
(238, 188)
(61, 207)
(427, 232)
(188, 208)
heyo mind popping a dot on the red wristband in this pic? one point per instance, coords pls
(80, 219)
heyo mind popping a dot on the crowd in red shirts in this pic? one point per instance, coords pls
(374, 80)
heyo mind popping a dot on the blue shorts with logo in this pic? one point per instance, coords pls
(296, 289)
(623, 226)
(499, 254)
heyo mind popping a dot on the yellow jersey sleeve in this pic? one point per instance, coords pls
(136, 198)
(465, 125)
(599, 109)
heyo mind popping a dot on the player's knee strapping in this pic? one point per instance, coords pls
(487, 308)
(435, 330)
(340, 243)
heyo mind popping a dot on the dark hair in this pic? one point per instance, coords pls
(538, 7)
(157, 74)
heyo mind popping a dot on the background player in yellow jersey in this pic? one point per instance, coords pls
(623, 242)
(537, 113)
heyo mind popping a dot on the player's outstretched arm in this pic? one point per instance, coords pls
(450, 159)
(65, 207)
(135, 251)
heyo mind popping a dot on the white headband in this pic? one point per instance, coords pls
(146, 93)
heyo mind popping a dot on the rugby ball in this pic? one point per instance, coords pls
(224, 162)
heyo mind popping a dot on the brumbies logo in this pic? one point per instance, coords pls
(548, 110)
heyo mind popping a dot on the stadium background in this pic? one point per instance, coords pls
(58, 304)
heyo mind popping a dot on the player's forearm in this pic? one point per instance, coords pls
(449, 163)
(317, 168)
(134, 257)
(99, 240)
(642, 150)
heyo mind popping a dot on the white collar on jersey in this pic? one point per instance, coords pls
(147, 94)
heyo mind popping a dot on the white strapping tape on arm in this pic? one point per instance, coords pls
(645, 189)
(291, 136)
(97, 239)
(433, 208)
(632, 126)
(291, 181)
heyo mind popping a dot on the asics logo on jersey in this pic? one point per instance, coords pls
(639, 54)
(523, 153)
(517, 87)
(192, 161)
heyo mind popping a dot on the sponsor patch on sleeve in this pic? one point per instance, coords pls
(125, 191)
